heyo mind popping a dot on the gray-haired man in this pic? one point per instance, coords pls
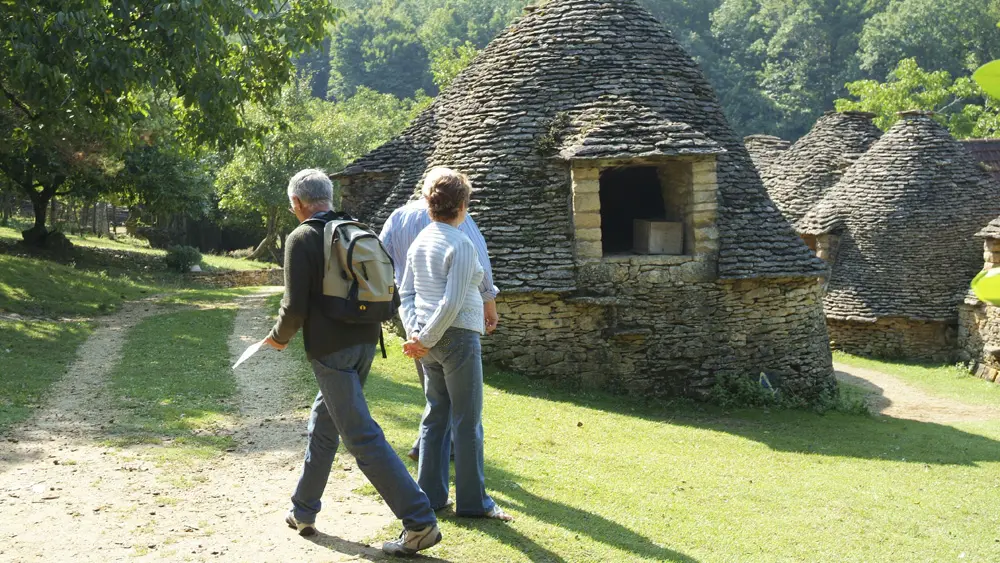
(341, 356)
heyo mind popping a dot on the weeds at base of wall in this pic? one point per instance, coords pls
(735, 392)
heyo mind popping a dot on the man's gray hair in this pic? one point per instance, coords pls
(311, 187)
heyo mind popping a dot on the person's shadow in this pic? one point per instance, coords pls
(359, 550)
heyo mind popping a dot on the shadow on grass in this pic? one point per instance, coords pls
(561, 515)
(359, 551)
(576, 520)
(831, 434)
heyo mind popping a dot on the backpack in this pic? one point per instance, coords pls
(359, 283)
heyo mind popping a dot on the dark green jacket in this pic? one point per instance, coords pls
(304, 265)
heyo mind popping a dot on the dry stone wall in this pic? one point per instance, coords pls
(896, 339)
(979, 322)
(248, 278)
(661, 331)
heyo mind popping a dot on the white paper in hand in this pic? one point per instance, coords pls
(250, 352)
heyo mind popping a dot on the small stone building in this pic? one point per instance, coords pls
(898, 233)
(797, 179)
(979, 323)
(632, 239)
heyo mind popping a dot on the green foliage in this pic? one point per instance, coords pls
(305, 132)
(448, 62)
(182, 258)
(78, 74)
(960, 104)
(378, 48)
(951, 35)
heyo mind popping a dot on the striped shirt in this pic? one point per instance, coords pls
(402, 228)
(440, 288)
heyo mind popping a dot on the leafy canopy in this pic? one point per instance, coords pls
(960, 103)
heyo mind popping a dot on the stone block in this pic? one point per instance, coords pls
(706, 196)
(588, 235)
(706, 177)
(587, 220)
(589, 249)
(586, 173)
(584, 202)
(702, 167)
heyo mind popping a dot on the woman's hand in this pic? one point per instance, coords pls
(414, 349)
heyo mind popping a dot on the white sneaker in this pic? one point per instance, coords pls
(410, 542)
(303, 529)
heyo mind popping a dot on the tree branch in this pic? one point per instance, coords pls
(18, 103)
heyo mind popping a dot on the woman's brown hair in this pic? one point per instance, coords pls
(446, 191)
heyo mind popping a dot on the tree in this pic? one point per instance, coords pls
(798, 54)
(305, 133)
(448, 62)
(960, 103)
(73, 75)
(952, 35)
(378, 48)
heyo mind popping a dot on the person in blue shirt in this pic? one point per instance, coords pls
(398, 234)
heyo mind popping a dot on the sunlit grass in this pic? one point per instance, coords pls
(31, 286)
(137, 246)
(174, 383)
(951, 381)
(33, 356)
(598, 477)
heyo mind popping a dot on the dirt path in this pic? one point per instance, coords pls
(893, 397)
(65, 496)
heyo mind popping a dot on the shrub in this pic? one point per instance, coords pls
(182, 258)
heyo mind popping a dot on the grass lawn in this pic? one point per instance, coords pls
(174, 381)
(209, 261)
(596, 477)
(33, 356)
(30, 286)
(954, 382)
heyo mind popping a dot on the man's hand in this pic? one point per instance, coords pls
(491, 316)
(274, 344)
(414, 349)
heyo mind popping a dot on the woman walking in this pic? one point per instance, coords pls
(442, 312)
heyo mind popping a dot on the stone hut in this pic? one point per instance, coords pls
(764, 149)
(633, 242)
(898, 232)
(979, 323)
(797, 179)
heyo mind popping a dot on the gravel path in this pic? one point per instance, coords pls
(893, 397)
(66, 497)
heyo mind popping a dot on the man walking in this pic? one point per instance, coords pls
(341, 356)
(399, 232)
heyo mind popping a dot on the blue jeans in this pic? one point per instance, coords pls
(340, 411)
(454, 391)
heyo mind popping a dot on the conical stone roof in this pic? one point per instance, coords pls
(764, 149)
(798, 178)
(907, 213)
(507, 118)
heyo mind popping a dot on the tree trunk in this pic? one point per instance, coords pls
(40, 202)
(269, 245)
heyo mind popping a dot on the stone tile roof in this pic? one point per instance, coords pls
(504, 119)
(764, 149)
(906, 213)
(796, 179)
(987, 153)
(620, 129)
